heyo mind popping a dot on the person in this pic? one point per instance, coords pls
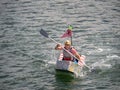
(68, 48)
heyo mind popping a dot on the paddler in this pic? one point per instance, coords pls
(68, 48)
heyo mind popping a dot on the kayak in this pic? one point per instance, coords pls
(67, 66)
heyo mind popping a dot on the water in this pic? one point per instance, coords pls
(27, 58)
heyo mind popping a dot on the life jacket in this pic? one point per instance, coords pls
(66, 55)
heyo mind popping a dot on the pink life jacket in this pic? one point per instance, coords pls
(66, 55)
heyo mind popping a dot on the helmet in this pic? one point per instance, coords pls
(67, 42)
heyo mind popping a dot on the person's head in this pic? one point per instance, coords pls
(67, 44)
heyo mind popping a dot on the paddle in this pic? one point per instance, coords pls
(45, 34)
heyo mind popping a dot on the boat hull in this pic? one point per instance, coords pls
(68, 66)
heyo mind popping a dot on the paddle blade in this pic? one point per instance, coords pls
(44, 33)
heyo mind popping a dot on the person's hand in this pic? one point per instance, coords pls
(82, 57)
(59, 45)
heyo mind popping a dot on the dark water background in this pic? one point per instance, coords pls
(27, 58)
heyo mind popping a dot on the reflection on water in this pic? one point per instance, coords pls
(64, 76)
(64, 80)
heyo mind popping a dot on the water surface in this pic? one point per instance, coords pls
(27, 58)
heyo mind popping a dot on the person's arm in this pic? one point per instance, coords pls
(58, 47)
(76, 54)
(81, 58)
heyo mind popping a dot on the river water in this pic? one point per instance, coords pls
(27, 59)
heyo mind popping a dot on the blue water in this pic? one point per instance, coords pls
(27, 59)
